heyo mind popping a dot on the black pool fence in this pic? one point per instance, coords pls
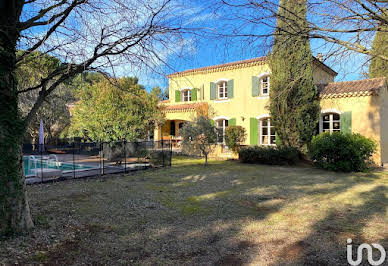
(67, 160)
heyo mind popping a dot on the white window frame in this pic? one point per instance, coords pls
(269, 126)
(262, 85)
(260, 77)
(223, 118)
(225, 89)
(183, 96)
(331, 120)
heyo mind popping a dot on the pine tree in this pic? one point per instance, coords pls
(294, 102)
(378, 66)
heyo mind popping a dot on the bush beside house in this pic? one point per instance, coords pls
(234, 136)
(342, 152)
(272, 155)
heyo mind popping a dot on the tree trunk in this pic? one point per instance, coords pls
(15, 214)
(205, 159)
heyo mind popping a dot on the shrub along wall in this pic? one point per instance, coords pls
(342, 151)
(269, 155)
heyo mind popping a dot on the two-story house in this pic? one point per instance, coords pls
(237, 93)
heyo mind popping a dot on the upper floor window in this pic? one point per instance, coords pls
(331, 122)
(186, 95)
(222, 90)
(264, 85)
(266, 132)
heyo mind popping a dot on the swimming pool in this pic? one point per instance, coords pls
(45, 163)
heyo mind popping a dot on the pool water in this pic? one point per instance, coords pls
(44, 164)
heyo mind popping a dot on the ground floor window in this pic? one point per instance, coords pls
(221, 125)
(172, 128)
(267, 134)
(331, 122)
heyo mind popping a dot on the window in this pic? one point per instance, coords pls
(331, 122)
(222, 90)
(264, 85)
(266, 132)
(221, 125)
(172, 128)
(186, 95)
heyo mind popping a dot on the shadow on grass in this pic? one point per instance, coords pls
(226, 213)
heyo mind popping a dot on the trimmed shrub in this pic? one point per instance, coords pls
(269, 155)
(234, 136)
(342, 152)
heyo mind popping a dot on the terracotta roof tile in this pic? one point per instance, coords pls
(182, 107)
(351, 88)
(248, 62)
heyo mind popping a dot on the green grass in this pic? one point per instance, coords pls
(222, 213)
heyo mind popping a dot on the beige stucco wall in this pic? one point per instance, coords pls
(242, 106)
(365, 116)
(384, 125)
(321, 76)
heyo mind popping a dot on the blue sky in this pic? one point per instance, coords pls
(208, 49)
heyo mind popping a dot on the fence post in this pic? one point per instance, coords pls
(41, 162)
(125, 156)
(102, 153)
(163, 151)
(73, 159)
(170, 154)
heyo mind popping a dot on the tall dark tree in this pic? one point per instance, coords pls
(294, 103)
(87, 35)
(379, 66)
(14, 208)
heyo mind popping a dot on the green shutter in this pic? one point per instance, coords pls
(253, 130)
(177, 96)
(346, 122)
(194, 94)
(232, 122)
(255, 86)
(230, 88)
(212, 90)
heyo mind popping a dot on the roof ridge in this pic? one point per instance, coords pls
(238, 62)
(357, 80)
(250, 60)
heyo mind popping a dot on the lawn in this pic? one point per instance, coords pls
(224, 214)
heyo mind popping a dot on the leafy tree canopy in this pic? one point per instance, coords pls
(379, 66)
(110, 110)
(53, 112)
(200, 134)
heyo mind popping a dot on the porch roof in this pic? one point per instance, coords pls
(186, 107)
(363, 87)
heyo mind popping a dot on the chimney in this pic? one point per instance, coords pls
(320, 57)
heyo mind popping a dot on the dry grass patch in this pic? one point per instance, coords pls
(224, 214)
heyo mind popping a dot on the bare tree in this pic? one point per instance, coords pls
(84, 35)
(343, 26)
